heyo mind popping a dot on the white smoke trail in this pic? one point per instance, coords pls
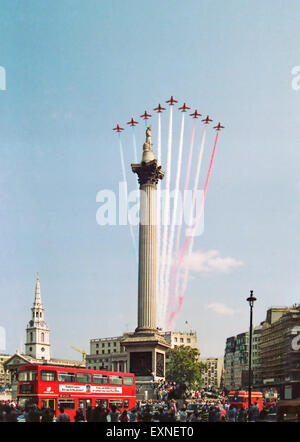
(196, 185)
(125, 180)
(186, 185)
(158, 211)
(166, 217)
(173, 223)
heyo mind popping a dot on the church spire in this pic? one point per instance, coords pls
(37, 297)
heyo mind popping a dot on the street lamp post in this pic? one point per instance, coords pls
(251, 301)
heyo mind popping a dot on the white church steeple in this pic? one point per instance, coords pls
(37, 332)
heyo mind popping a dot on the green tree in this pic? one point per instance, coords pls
(185, 368)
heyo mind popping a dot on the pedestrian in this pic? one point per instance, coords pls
(79, 416)
(47, 415)
(183, 415)
(12, 415)
(114, 414)
(89, 414)
(213, 414)
(195, 417)
(242, 415)
(63, 417)
(146, 414)
(100, 414)
(133, 415)
(34, 414)
(254, 413)
(163, 417)
(231, 414)
(124, 417)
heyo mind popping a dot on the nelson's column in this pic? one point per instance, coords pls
(146, 347)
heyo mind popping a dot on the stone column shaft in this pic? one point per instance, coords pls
(147, 259)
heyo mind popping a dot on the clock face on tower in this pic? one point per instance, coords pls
(31, 323)
(42, 324)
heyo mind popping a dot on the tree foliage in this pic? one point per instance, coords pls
(185, 368)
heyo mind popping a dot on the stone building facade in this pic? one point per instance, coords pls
(212, 377)
(110, 354)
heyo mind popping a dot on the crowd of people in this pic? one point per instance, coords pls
(195, 410)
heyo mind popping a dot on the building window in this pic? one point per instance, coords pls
(42, 337)
(31, 337)
(181, 339)
(115, 344)
(103, 351)
(97, 352)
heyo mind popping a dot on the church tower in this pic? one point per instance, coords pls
(37, 332)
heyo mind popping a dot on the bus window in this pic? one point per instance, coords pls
(84, 378)
(26, 389)
(48, 375)
(27, 375)
(100, 379)
(126, 403)
(67, 404)
(115, 380)
(128, 380)
(102, 402)
(64, 376)
(24, 402)
(115, 403)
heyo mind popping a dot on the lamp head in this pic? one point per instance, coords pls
(251, 299)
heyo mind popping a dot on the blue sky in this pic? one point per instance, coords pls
(75, 68)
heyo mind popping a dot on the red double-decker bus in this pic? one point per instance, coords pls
(74, 388)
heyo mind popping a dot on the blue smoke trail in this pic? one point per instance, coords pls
(134, 145)
(125, 180)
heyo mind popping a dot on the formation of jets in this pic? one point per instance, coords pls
(132, 122)
(206, 120)
(219, 126)
(160, 109)
(145, 115)
(118, 128)
(195, 114)
(171, 101)
(184, 108)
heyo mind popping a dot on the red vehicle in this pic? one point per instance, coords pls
(240, 399)
(74, 388)
(271, 398)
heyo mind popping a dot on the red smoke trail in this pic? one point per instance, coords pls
(192, 208)
(192, 236)
(186, 184)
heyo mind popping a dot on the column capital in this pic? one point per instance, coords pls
(148, 173)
